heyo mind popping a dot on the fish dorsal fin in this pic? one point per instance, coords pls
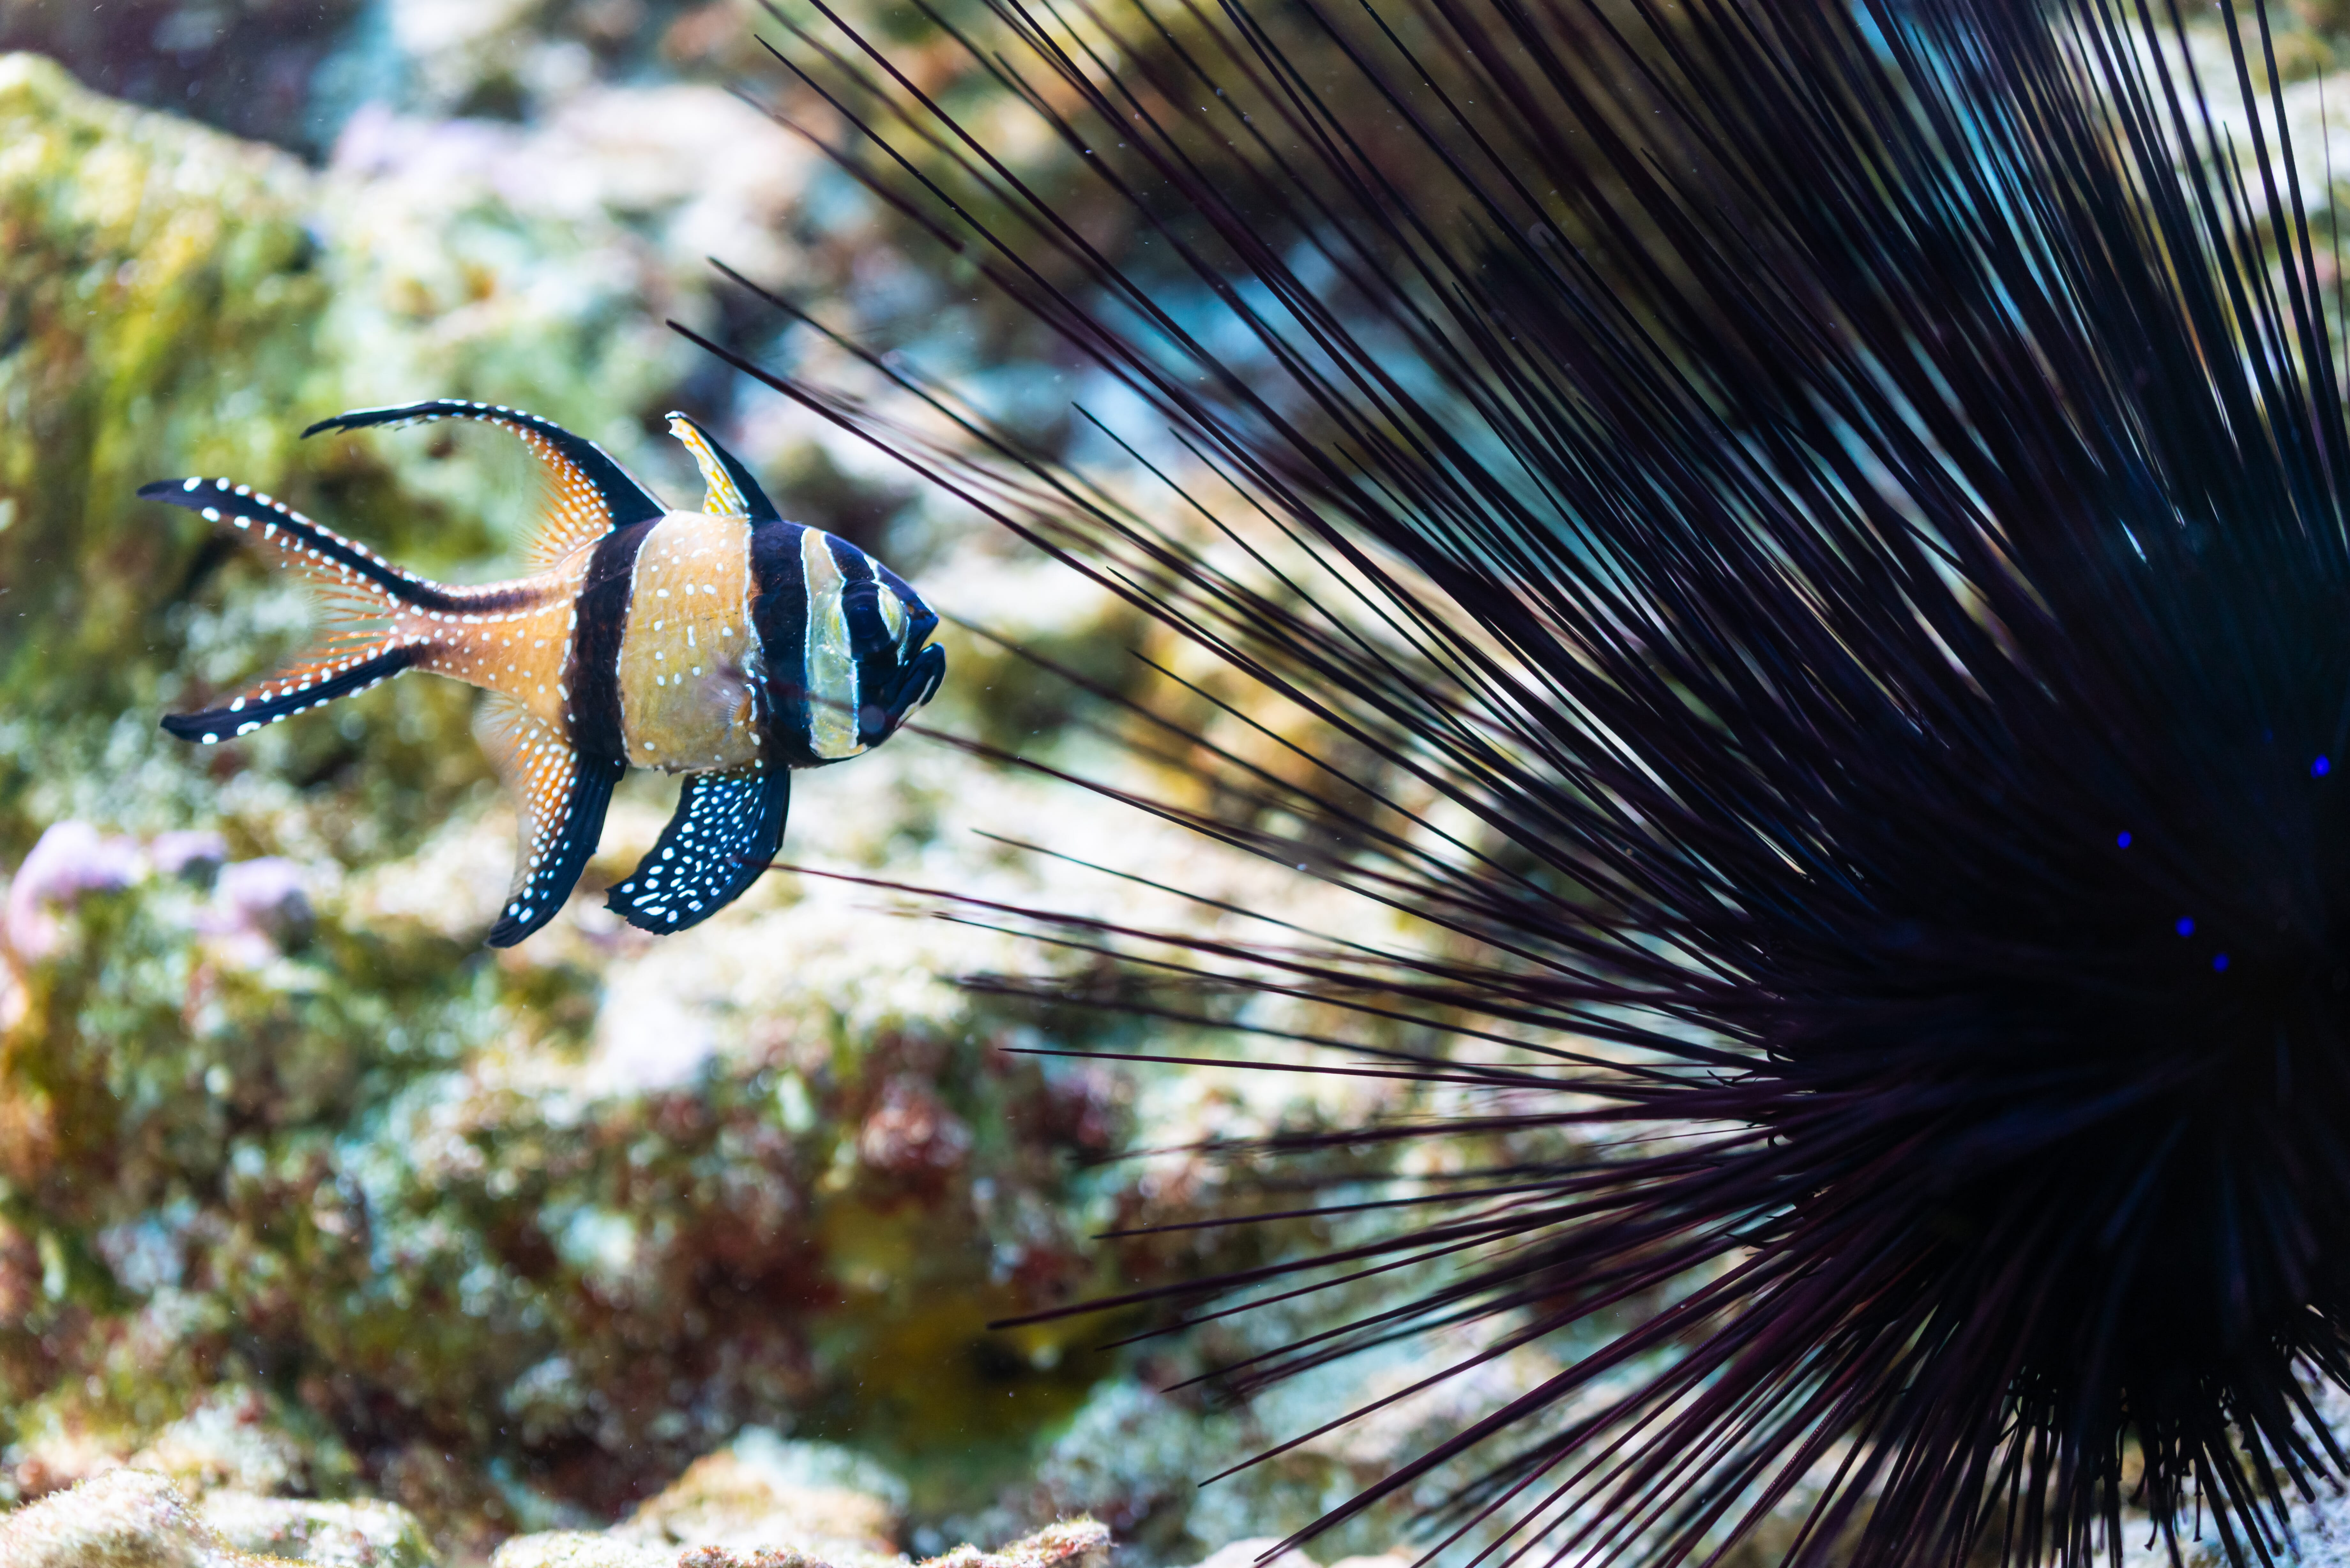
(588, 493)
(729, 489)
(559, 800)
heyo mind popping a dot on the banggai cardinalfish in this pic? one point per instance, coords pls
(726, 644)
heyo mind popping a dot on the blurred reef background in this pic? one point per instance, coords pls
(376, 1242)
(387, 1249)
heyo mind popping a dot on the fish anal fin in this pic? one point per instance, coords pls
(559, 798)
(727, 826)
(588, 493)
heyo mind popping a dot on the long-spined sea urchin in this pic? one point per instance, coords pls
(1844, 506)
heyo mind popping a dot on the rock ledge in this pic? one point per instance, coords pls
(137, 1519)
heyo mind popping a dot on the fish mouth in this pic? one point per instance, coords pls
(914, 683)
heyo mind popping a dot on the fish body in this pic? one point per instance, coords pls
(727, 645)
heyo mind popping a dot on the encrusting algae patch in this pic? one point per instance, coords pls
(159, 291)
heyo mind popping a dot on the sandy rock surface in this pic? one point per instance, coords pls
(367, 1533)
(138, 1518)
(123, 1519)
(1072, 1543)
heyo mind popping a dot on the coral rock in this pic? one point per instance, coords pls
(759, 1489)
(580, 1549)
(123, 1519)
(911, 1133)
(136, 1519)
(1247, 1553)
(363, 1534)
(1072, 1543)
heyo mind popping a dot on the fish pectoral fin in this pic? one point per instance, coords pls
(327, 672)
(560, 798)
(728, 487)
(727, 826)
(588, 495)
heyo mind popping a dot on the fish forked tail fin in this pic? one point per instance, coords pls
(360, 593)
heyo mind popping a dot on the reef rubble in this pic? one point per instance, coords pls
(130, 1518)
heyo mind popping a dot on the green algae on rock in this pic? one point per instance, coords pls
(379, 1206)
(157, 291)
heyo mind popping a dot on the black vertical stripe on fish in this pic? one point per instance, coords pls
(868, 634)
(227, 724)
(594, 677)
(870, 641)
(726, 829)
(624, 499)
(919, 669)
(855, 566)
(779, 611)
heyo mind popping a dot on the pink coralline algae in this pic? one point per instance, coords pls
(191, 853)
(257, 906)
(911, 1133)
(70, 859)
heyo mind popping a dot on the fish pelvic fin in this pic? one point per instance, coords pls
(727, 826)
(588, 493)
(560, 798)
(362, 599)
